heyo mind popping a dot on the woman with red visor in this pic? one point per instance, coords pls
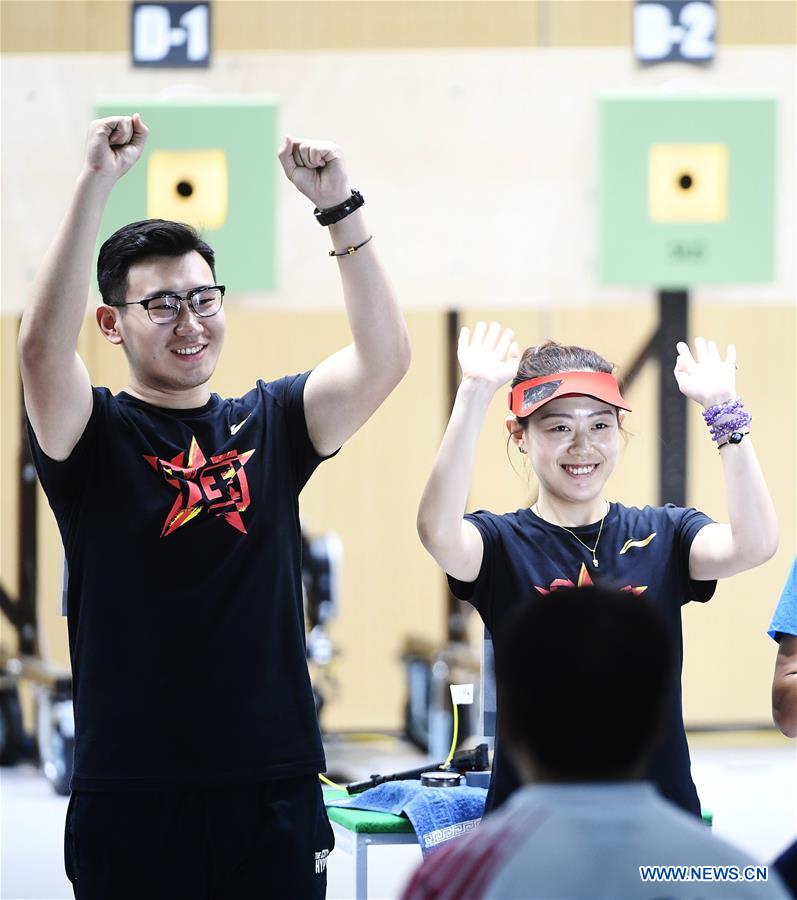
(566, 413)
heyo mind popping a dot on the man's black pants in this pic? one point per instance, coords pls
(259, 841)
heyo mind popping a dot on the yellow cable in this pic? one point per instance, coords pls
(330, 783)
(443, 766)
(453, 739)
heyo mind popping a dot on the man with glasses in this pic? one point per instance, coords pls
(197, 745)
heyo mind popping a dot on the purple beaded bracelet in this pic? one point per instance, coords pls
(729, 407)
(728, 427)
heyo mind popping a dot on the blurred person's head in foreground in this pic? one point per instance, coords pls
(582, 676)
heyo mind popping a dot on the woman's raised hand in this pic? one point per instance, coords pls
(706, 377)
(489, 356)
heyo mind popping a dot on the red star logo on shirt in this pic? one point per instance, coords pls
(218, 486)
(583, 581)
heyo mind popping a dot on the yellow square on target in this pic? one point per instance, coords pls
(188, 186)
(688, 182)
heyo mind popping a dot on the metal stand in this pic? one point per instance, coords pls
(22, 612)
(356, 843)
(455, 615)
(673, 326)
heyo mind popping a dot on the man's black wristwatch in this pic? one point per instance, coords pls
(336, 213)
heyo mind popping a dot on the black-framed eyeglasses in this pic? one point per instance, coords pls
(165, 308)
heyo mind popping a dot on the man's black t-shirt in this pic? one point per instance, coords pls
(645, 551)
(186, 626)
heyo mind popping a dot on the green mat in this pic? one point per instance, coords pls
(362, 820)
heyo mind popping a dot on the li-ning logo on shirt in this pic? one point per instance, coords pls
(632, 543)
(320, 860)
(216, 486)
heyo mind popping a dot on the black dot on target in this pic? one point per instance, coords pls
(685, 181)
(185, 188)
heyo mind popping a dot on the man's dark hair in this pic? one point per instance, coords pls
(139, 240)
(582, 677)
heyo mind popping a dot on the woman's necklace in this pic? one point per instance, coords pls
(592, 550)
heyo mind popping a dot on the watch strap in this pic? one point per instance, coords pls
(336, 213)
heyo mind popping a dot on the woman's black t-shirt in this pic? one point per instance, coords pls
(644, 551)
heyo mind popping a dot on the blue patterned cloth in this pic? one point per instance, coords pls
(437, 814)
(784, 621)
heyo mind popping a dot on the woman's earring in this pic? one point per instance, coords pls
(521, 448)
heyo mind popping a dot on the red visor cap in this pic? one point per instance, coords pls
(530, 395)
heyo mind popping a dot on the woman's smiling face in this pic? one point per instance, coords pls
(572, 443)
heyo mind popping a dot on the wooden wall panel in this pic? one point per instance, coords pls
(729, 658)
(99, 25)
(53, 638)
(584, 23)
(64, 26)
(756, 22)
(608, 23)
(55, 26)
(349, 24)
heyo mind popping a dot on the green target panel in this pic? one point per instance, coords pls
(212, 164)
(687, 191)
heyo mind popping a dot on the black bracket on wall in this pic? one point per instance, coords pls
(22, 611)
(673, 326)
(456, 610)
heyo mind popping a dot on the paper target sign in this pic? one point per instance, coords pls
(686, 190)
